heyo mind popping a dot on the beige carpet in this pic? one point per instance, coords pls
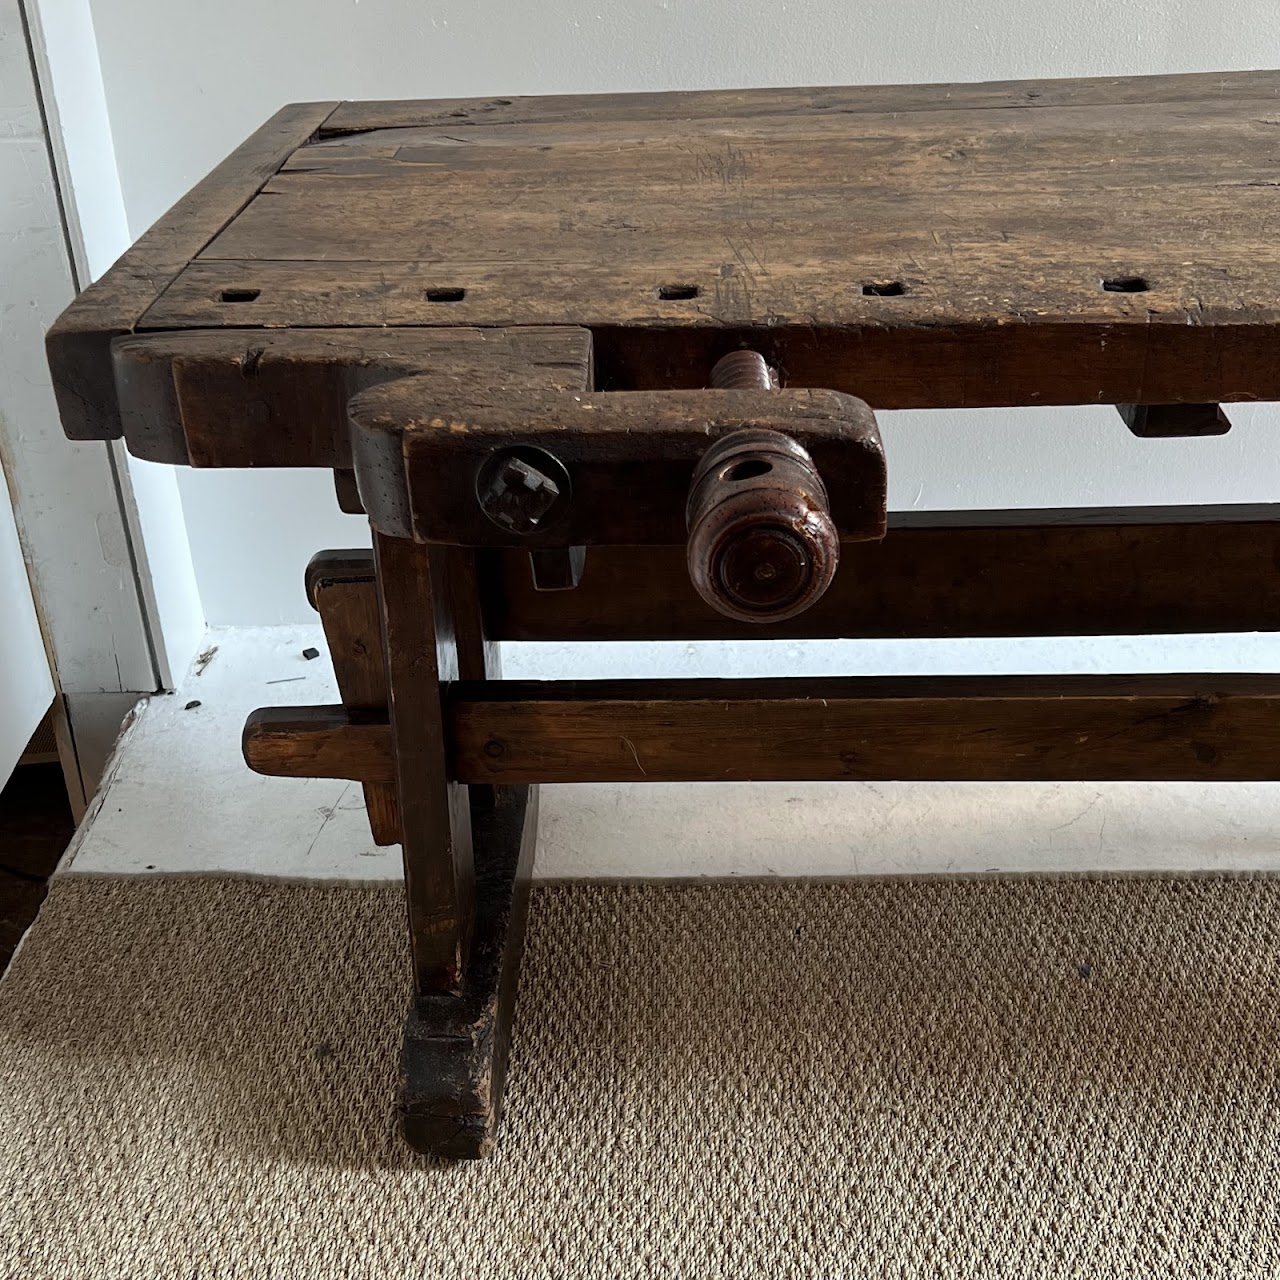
(971, 1078)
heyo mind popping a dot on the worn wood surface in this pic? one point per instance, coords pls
(342, 587)
(931, 246)
(629, 455)
(1147, 728)
(1158, 575)
(79, 344)
(453, 1064)
(916, 247)
(421, 652)
(240, 398)
(1155, 571)
(686, 105)
(1211, 727)
(319, 742)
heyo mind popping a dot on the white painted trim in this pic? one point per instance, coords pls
(65, 56)
(64, 495)
(26, 686)
(64, 52)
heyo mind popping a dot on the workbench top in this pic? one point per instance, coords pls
(1056, 242)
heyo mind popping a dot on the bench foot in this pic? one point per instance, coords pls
(453, 1065)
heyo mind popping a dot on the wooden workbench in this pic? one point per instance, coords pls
(519, 330)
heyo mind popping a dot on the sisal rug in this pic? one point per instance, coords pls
(935, 1078)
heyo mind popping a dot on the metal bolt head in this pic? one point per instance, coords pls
(518, 491)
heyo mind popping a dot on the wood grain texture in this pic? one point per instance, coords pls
(1146, 728)
(1102, 91)
(1118, 579)
(319, 742)
(421, 654)
(342, 587)
(454, 1061)
(79, 343)
(239, 398)
(630, 457)
(1210, 727)
(1160, 571)
(1003, 244)
(935, 246)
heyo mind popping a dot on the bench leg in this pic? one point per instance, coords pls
(467, 856)
(454, 1060)
(401, 622)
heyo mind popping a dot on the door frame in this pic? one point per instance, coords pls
(103, 534)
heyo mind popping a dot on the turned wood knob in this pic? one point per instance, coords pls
(762, 545)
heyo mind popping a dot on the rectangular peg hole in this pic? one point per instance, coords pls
(677, 292)
(240, 295)
(445, 295)
(1125, 284)
(884, 289)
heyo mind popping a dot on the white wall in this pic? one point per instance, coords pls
(185, 82)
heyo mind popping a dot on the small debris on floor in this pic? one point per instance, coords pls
(285, 680)
(203, 659)
(192, 705)
(309, 654)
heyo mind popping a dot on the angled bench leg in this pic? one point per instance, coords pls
(467, 856)
(453, 1064)
(402, 621)
(419, 635)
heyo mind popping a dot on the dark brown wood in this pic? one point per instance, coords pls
(1169, 577)
(972, 275)
(453, 1065)
(319, 742)
(557, 568)
(79, 343)
(997, 580)
(1150, 728)
(342, 587)
(629, 458)
(478, 655)
(228, 398)
(923, 248)
(805, 101)
(347, 492)
(1165, 421)
(891, 351)
(1210, 727)
(1027, 243)
(435, 817)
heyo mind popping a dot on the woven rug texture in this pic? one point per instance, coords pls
(969, 1078)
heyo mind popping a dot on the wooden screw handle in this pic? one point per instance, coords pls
(762, 546)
